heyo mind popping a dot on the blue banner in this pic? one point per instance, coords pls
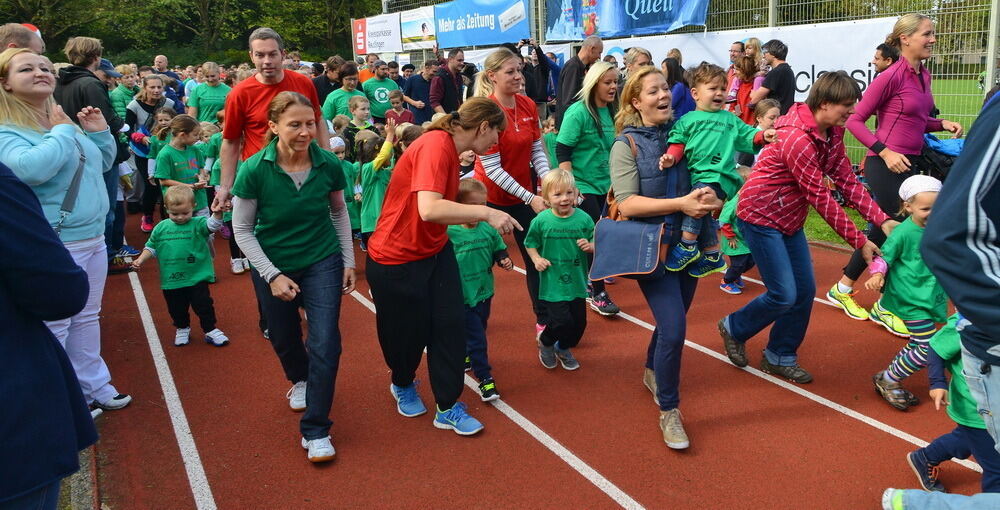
(573, 20)
(464, 23)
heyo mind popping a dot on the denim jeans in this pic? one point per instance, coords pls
(706, 227)
(669, 298)
(117, 230)
(476, 347)
(785, 266)
(984, 385)
(915, 499)
(321, 286)
(43, 498)
(111, 182)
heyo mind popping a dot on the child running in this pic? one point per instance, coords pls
(477, 247)
(557, 243)
(181, 245)
(740, 259)
(911, 292)
(708, 137)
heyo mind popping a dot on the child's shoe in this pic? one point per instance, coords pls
(236, 266)
(246, 264)
(845, 301)
(740, 283)
(320, 450)
(893, 392)
(457, 419)
(216, 337)
(888, 320)
(566, 359)
(408, 401)
(547, 355)
(681, 255)
(147, 224)
(610, 281)
(926, 472)
(731, 288)
(182, 337)
(711, 262)
(488, 390)
(128, 251)
(602, 304)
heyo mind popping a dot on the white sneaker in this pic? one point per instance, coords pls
(246, 264)
(117, 402)
(297, 396)
(320, 450)
(182, 337)
(236, 266)
(216, 337)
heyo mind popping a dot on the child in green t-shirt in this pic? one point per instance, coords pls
(477, 247)
(181, 246)
(558, 242)
(360, 121)
(708, 139)
(179, 163)
(549, 136)
(740, 258)
(910, 291)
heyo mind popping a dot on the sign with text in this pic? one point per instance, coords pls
(377, 34)
(462, 23)
(572, 20)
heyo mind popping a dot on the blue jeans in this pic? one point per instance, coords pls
(475, 338)
(321, 286)
(43, 498)
(915, 499)
(965, 441)
(984, 385)
(785, 266)
(705, 227)
(117, 230)
(669, 298)
(111, 182)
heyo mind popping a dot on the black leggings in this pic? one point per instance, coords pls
(593, 205)
(150, 192)
(234, 250)
(523, 213)
(885, 185)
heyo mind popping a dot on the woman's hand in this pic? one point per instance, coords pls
(700, 202)
(888, 226)
(350, 280)
(869, 250)
(284, 288)
(538, 204)
(92, 120)
(895, 161)
(58, 116)
(875, 282)
(952, 127)
(503, 222)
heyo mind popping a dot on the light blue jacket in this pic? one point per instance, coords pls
(47, 162)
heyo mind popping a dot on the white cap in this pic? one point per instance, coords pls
(337, 142)
(918, 184)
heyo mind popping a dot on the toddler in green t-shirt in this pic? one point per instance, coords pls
(708, 138)
(181, 245)
(558, 242)
(477, 247)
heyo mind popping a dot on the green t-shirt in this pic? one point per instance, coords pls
(182, 166)
(911, 290)
(208, 100)
(374, 185)
(182, 252)
(336, 103)
(963, 407)
(352, 186)
(474, 249)
(378, 94)
(728, 217)
(155, 144)
(591, 147)
(711, 140)
(549, 139)
(293, 225)
(555, 239)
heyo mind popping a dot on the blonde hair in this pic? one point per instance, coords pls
(628, 115)
(557, 179)
(907, 25)
(208, 67)
(14, 110)
(124, 69)
(473, 112)
(758, 51)
(589, 90)
(340, 122)
(494, 61)
(467, 187)
(209, 128)
(178, 195)
(764, 106)
(675, 54)
(83, 51)
(633, 53)
(356, 101)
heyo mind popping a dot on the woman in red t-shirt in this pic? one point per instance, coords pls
(411, 266)
(506, 168)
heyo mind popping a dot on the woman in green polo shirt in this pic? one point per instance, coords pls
(583, 147)
(284, 199)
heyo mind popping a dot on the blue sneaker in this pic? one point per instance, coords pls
(128, 251)
(408, 402)
(926, 472)
(458, 420)
(680, 256)
(740, 283)
(731, 288)
(708, 264)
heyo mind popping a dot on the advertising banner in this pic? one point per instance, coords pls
(417, 28)
(572, 20)
(377, 34)
(463, 23)
(809, 47)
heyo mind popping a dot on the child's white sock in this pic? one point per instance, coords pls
(844, 289)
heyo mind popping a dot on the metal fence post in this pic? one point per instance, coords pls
(991, 46)
(772, 13)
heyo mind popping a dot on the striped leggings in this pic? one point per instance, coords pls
(913, 357)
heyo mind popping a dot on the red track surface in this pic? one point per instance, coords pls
(754, 444)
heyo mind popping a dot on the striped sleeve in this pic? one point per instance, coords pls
(500, 177)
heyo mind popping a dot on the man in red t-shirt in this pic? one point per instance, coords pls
(247, 104)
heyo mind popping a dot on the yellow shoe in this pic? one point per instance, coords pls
(845, 301)
(888, 320)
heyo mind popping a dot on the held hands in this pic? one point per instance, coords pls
(350, 280)
(700, 202)
(92, 120)
(223, 199)
(940, 398)
(541, 264)
(506, 263)
(58, 116)
(667, 161)
(770, 135)
(952, 127)
(285, 289)
(869, 250)
(875, 282)
(585, 245)
(895, 161)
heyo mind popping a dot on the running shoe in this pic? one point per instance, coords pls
(488, 390)
(216, 337)
(320, 450)
(736, 351)
(147, 224)
(731, 288)
(468, 363)
(129, 251)
(117, 402)
(297, 396)
(845, 301)
(741, 284)
(888, 320)
(892, 499)
(708, 264)
(457, 419)
(680, 256)
(236, 266)
(610, 281)
(793, 373)
(117, 265)
(246, 264)
(672, 426)
(602, 304)
(926, 472)
(408, 402)
(547, 355)
(566, 359)
(182, 337)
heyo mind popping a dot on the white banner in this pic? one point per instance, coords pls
(812, 49)
(378, 34)
(417, 27)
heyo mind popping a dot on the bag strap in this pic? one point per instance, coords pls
(69, 201)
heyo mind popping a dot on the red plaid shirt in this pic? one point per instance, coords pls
(788, 178)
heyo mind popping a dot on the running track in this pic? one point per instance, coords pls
(584, 439)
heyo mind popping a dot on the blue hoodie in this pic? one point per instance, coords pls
(47, 161)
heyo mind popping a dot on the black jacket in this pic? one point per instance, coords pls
(536, 77)
(570, 83)
(77, 88)
(324, 86)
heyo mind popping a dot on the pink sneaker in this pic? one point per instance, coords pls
(146, 225)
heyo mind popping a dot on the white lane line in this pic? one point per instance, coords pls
(591, 474)
(202, 492)
(884, 427)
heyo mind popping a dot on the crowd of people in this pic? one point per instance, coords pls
(432, 169)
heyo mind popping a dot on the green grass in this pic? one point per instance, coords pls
(817, 228)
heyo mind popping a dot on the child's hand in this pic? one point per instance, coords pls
(145, 140)
(390, 131)
(585, 245)
(733, 243)
(770, 135)
(541, 264)
(940, 397)
(357, 197)
(506, 263)
(136, 264)
(875, 282)
(199, 185)
(666, 161)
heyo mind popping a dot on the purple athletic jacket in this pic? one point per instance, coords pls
(901, 99)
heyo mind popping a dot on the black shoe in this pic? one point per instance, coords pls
(468, 363)
(736, 351)
(926, 472)
(488, 390)
(793, 373)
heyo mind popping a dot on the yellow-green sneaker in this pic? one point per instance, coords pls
(888, 320)
(892, 499)
(845, 301)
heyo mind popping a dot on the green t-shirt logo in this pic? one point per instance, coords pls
(382, 94)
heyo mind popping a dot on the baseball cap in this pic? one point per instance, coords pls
(109, 68)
